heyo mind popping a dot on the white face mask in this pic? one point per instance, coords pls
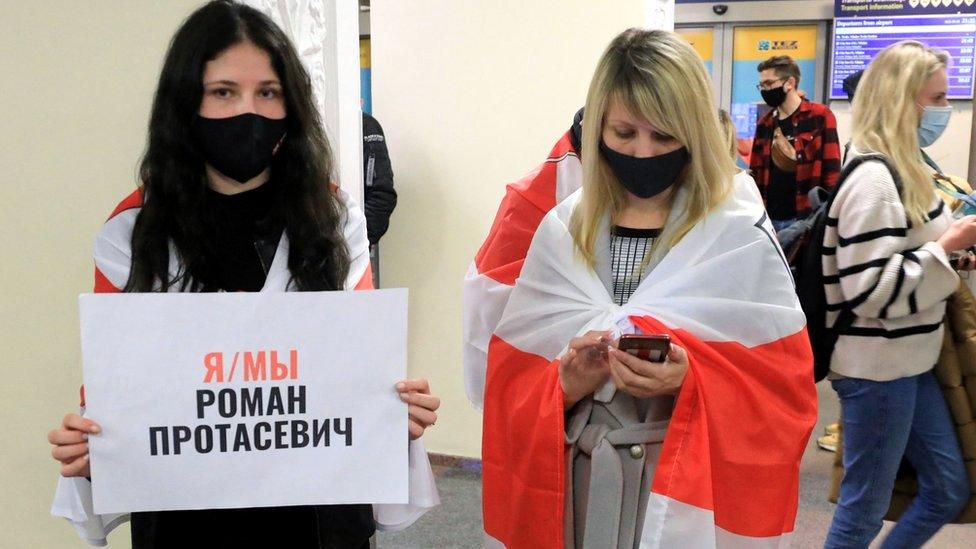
(933, 123)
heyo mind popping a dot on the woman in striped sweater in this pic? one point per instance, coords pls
(886, 257)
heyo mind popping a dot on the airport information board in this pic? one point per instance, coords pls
(858, 39)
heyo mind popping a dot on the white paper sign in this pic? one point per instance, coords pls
(245, 399)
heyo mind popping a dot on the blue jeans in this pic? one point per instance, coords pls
(883, 421)
(780, 224)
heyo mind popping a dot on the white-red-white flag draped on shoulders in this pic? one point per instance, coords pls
(728, 474)
(491, 276)
(73, 498)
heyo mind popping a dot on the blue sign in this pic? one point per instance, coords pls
(858, 40)
(870, 8)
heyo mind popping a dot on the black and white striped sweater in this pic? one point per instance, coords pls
(895, 276)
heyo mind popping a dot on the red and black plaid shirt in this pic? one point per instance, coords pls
(818, 154)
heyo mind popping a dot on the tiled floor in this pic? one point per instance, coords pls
(457, 522)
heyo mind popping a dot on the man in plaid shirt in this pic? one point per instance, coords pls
(796, 146)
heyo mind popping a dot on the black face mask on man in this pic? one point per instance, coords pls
(646, 177)
(774, 97)
(241, 146)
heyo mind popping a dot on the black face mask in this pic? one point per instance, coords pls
(646, 177)
(239, 147)
(774, 97)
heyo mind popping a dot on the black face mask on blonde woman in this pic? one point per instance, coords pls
(646, 177)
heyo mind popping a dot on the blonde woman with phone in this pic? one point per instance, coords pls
(586, 444)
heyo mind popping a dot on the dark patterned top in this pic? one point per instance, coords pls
(629, 249)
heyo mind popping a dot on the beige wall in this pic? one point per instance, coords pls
(471, 95)
(76, 82)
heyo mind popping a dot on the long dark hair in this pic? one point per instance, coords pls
(172, 169)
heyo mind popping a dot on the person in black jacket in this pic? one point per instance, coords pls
(379, 197)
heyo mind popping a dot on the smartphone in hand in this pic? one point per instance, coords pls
(652, 348)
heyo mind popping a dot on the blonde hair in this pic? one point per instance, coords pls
(657, 76)
(728, 129)
(886, 118)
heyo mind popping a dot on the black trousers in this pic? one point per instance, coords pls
(304, 527)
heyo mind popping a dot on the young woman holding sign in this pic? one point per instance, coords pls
(236, 196)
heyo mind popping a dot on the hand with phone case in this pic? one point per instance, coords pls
(964, 260)
(647, 365)
(584, 367)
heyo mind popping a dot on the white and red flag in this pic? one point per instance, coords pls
(493, 272)
(113, 250)
(113, 259)
(728, 472)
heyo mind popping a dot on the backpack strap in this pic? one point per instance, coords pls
(869, 157)
(928, 160)
(844, 321)
(846, 315)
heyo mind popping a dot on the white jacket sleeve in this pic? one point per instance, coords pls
(73, 501)
(423, 494)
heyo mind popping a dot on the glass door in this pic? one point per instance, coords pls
(753, 44)
(732, 53)
(708, 41)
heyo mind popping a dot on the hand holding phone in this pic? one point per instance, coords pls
(652, 348)
(584, 367)
(662, 372)
(964, 260)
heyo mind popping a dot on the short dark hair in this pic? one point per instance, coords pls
(784, 66)
(851, 82)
